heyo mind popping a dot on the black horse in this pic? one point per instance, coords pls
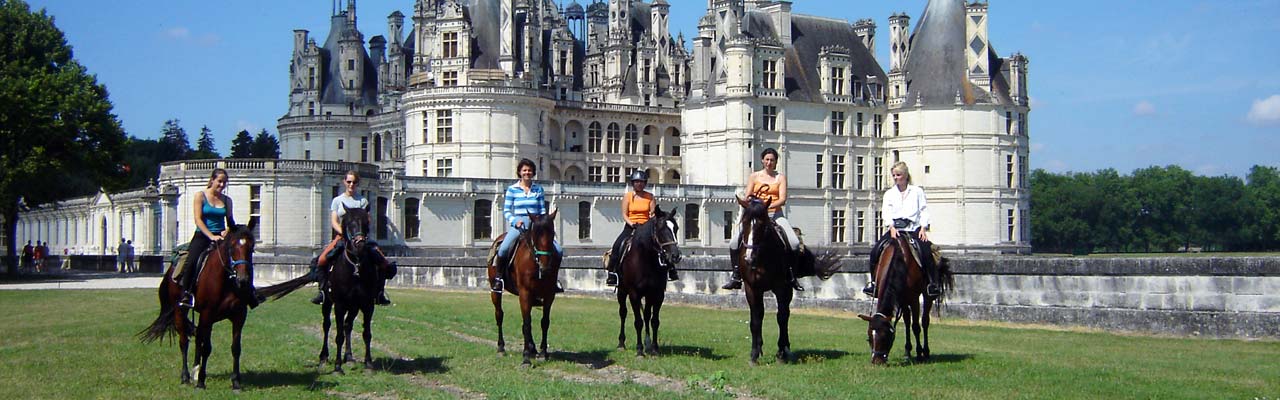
(225, 280)
(653, 249)
(769, 271)
(902, 282)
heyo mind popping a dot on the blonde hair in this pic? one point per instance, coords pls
(900, 167)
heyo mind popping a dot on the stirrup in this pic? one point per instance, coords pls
(319, 298)
(187, 300)
(612, 279)
(932, 290)
(795, 284)
(870, 289)
(496, 285)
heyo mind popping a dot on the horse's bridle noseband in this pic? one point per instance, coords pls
(664, 257)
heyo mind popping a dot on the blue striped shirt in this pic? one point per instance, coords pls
(519, 204)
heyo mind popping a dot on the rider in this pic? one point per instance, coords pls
(905, 211)
(213, 218)
(637, 208)
(523, 198)
(765, 184)
(337, 208)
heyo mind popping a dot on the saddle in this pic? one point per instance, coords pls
(179, 262)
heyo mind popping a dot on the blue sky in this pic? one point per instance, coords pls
(1114, 84)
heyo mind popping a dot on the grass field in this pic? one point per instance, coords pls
(438, 344)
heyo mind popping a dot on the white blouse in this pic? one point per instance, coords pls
(909, 204)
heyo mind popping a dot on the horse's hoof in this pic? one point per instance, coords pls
(339, 371)
(368, 365)
(199, 386)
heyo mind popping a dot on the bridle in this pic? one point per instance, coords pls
(664, 257)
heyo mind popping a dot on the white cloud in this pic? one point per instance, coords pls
(183, 34)
(1036, 147)
(1144, 108)
(1265, 111)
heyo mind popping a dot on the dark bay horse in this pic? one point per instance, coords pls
(769, 271)
(224, 280)
(653, 249)
(902, 284)
(536, 265)
(353, 286)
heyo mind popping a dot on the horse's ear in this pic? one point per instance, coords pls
(252, 223)
(673, 213)
(742, 202)
(657, 209)
(864, 317)
(553, 214)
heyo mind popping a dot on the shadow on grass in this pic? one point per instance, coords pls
(696, 351)
(805, 356)
(424, 365)
(270, 379)
(594, 359)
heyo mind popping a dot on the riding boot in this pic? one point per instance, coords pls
(611, 278)
(870, 290)
(500, 264)
(322, 277)
(795, 282)
(671, 274)
(735, 279)
(559, 289)
(931, 271)
(188, 300)
(382, 299)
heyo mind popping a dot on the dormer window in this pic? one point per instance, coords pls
(837, 81)
(449, 45)
(770, 71)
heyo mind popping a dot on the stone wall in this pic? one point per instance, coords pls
(1227, 297)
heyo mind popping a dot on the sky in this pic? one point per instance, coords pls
(1113, 84)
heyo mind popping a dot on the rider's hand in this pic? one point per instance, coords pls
(519, 223)
(893, 232)
(924, 235)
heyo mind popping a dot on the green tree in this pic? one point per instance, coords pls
(56, 125)
(265, 145)
(143, 156)
(204, 145)
(242, 145)
(1264, 189)
(174, 140)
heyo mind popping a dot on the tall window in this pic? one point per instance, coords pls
(879, 177)
(444, 126)
(770, 74)
(862, 227)
(1012, 223)
(593, 174)
(444, 167)
(594, 134)
(837, 80)
(879, 226)
(877, 125)
(383, 222)
(1022, 171)
(584, 220)
(1022, 124)
(837, 171)
(858, 128)
(1008, 170)
(1008, 122)
(861, 173)
(564, 62)
(450, 45)
(728, 225)
(633, 138)
(341, 143)
(770, 115)
(481, 225)
(364, 149)
(449, 78)
(426, 168)
(837, 226)
(614, 136)
(896, 129)
(817, 166)
(410, 218)
(255, 208)
(691, 221)
(426, 127)
(613, 174)
(837, 123)
(351, 65)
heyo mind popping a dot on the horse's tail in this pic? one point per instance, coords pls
(948, 281)
(823, 265)
(275, 292)
(163, 326)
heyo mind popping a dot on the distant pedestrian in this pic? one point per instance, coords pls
(38, 255)
(66, 259)
(28, 254)
(128, 258)
(121, 267)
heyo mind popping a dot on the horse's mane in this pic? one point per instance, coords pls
(893, 285)
(643, 236)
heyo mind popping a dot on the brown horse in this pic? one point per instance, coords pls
(769, 271)
(224, 281)
(536, 265)
(902, 281)
(653, 249)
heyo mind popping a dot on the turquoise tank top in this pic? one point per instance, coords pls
(214, 217)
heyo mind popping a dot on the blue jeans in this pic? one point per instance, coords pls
(509, 242)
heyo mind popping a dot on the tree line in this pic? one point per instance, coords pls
(1154, 209)
(142, 157)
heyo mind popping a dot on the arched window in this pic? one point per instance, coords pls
(690, 221)
(584, 220)
(410, 218)
(481, 225)
(633, 137)
(593, 137)
(377, 147)
(614, 135)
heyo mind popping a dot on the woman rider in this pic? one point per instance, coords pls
(771, 185)
(523, 198)
(637, 208)
(351, 198)
(211, 210)
(905, 211)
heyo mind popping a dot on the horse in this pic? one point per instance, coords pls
(653, 249)
(536, 265)
(225, 279)
(768, 272)
(902, 282)
(353, 286)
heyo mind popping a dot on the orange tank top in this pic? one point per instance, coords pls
(638, 209)
(766, 191)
